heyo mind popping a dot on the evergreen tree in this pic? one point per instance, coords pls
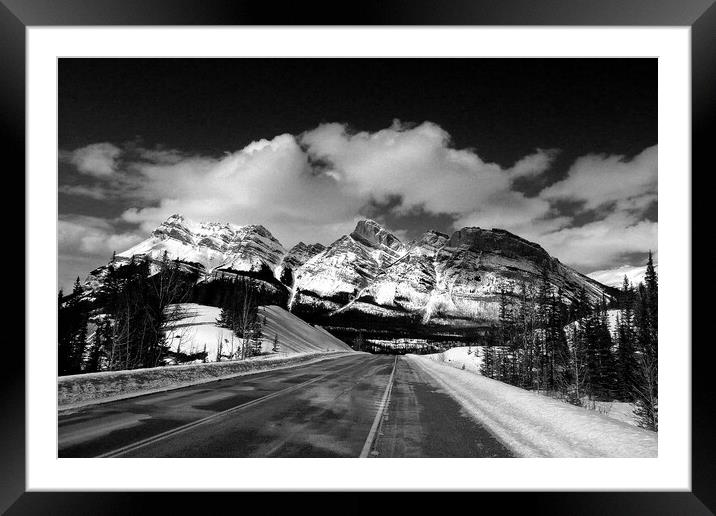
(647, 358)
(601, 366)
(559, 369)
(101, 343)
(578, 366)
(487, 367)
(257, 336)
(652, 292)
(626, 357)
(359, 342)
(239, 313)
(73, 315)
(275, 347)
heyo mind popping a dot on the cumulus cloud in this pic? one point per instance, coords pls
(97, 159)
(92, 235)
(597, 180)
(85, 242)
(534, 164)
(604, 241)
(314, 187)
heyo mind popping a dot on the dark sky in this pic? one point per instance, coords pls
(500, 109)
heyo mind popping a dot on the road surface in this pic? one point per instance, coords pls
(358, 405)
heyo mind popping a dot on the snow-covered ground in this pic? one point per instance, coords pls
(471, 358)
(468, 356)
(533, 425)
(197, 330)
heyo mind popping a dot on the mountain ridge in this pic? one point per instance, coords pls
(437, 280)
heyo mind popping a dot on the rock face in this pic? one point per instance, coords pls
(438, 281)
(212, 247)
(369, 278)
(296, 256)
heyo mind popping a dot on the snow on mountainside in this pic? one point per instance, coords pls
(296, 256)
(615, 277)
(213, 246)
(197, 331)
(447, 281)
(438, 280)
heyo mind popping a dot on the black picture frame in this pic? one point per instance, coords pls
(700, 15)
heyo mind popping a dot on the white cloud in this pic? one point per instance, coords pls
(416, 164)
(92, 236)
(597, 180)
(313, 187)
(605, 241)
(97, 159)
(534, 164)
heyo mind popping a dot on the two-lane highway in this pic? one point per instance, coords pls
(355, 405)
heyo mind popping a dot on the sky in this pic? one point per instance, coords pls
(562, 152)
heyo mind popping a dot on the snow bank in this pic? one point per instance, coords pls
(468, 356)
(197, 331)
(470, 359)
(537, 426)
(84, 389)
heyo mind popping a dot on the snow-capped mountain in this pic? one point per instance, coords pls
(212, 246)
(296, 256)
(438, 280)
(615, 277)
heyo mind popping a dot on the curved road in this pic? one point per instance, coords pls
(352, 406)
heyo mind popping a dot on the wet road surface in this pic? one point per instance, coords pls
(351, 406)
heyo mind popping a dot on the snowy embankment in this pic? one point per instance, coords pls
(85, 389)
(470, 359)
(532, 425)
(197, 331)
(462, 357)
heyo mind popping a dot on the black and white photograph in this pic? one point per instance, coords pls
(357, 257)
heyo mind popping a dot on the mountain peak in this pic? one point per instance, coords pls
(372, 233)
(497, 240)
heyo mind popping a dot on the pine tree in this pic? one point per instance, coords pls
(559, 349)
(73, 315)
(601, 366)
(487, 367)
(578, 366)
(652, 292)
(647, 358)
(101, 342)
(626, 358)
(275, 348)
(359, 342)
(257, 336)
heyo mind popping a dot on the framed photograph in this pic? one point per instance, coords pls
(419, 250)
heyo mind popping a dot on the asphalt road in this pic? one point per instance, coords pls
(352, 406)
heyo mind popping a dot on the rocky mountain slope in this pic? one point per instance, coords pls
(438, 280)
(370, 279)
(212, 246)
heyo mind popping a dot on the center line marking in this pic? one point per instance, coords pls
(381, 408)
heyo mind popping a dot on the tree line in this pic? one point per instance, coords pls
(134, 309)
(544, 344)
